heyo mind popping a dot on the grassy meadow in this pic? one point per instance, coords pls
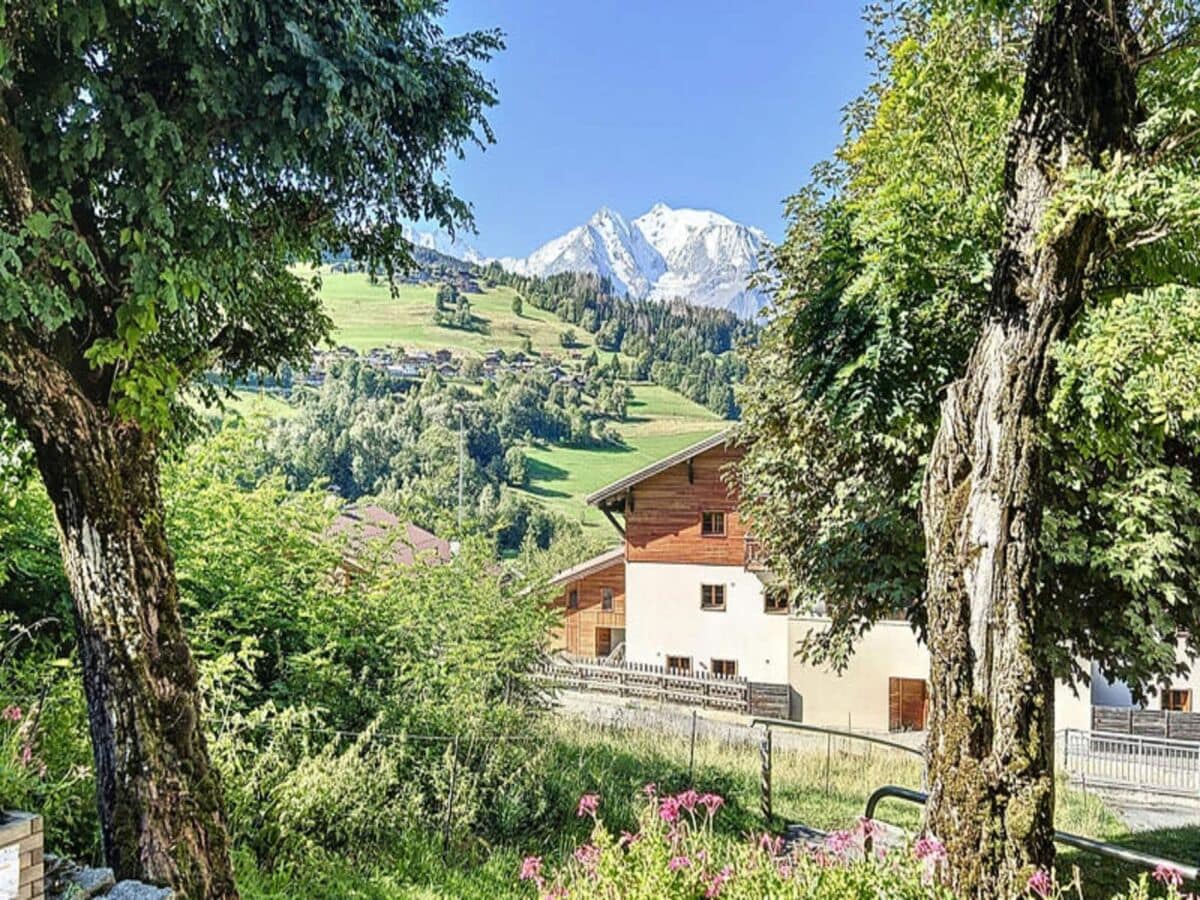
(660, 422)
(366, 315)
(617, 762)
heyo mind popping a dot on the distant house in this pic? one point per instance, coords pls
(371, 529)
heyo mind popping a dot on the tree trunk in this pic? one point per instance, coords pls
(159, 797)
(992, 723)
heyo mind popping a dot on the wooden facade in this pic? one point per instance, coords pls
(664, 514)
(588, 628)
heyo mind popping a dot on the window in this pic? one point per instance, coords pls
(1177, 700)
(724, 668)
(712, 524)
(606, 598)
(775, 600)
(679, 664)
(712, 596)
(573, 600)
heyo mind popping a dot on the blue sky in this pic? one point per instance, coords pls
(719, 105)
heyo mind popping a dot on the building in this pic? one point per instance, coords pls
(371, 532)
(688, 590)
(693, 601)
(592, 598)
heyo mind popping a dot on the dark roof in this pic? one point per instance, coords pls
(361, 525)
(624, 484)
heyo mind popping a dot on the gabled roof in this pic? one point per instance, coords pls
(624, 484)
(362, 525)
(591, 566)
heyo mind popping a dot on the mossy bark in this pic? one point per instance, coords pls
(159, 796)
(992, 723)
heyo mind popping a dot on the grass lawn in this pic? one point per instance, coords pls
(617, 762)
(366, 315)
(660, 423)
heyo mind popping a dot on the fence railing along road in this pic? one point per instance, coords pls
(649, 682)
(1157, 765)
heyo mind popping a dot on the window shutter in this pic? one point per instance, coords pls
(894, 704)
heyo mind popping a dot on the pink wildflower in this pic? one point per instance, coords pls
(718, 882)
(1041, 883)
(668, 809)
(712, 802)
(628, 840)
(868, 828)
(1170, 875)
(651, 789)
(12, 713)
(839, 842)
(531, 869)
(929, 848)
(678, 862)
(784, 868)
(588, 856)
(26, 754)
(769, 844)
(588, 804)
(688, 800)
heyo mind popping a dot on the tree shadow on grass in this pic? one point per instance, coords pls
(1103, 877)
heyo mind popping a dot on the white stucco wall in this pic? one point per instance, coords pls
(858, 697)
(1117, 693)
(663, 618)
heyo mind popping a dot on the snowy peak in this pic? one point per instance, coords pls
(697, 255)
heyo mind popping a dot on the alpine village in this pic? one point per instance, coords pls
(472, 449)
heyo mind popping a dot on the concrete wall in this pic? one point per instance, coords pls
(858, 697)
(663, 618)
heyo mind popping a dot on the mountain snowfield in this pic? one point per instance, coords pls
(696, 255)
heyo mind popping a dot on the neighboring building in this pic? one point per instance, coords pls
(692, 601)
(372, 529)
(689, 590)
(593, 604)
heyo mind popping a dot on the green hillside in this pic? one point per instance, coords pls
(366, 315)
(660, 421)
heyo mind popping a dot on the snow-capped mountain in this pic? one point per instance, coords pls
(440, 242)
(697, 255)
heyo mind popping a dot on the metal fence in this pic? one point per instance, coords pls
(1157, 765)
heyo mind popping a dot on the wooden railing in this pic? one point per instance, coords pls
(649, 682)
(1150, 723)
(754, 555)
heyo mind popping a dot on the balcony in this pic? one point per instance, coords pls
(754, 555)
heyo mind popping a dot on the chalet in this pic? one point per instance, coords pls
(689, 590)
(592, 598)
(693, 602)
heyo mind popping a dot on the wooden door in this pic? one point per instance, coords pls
(604, 643)
(907, 701)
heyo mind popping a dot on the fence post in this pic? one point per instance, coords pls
(692, 754)
(765, 753)
(450, 797)
(828, 753)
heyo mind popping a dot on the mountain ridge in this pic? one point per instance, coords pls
(700, 256)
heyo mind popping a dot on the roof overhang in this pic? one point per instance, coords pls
(591, 566)
(605, 497)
